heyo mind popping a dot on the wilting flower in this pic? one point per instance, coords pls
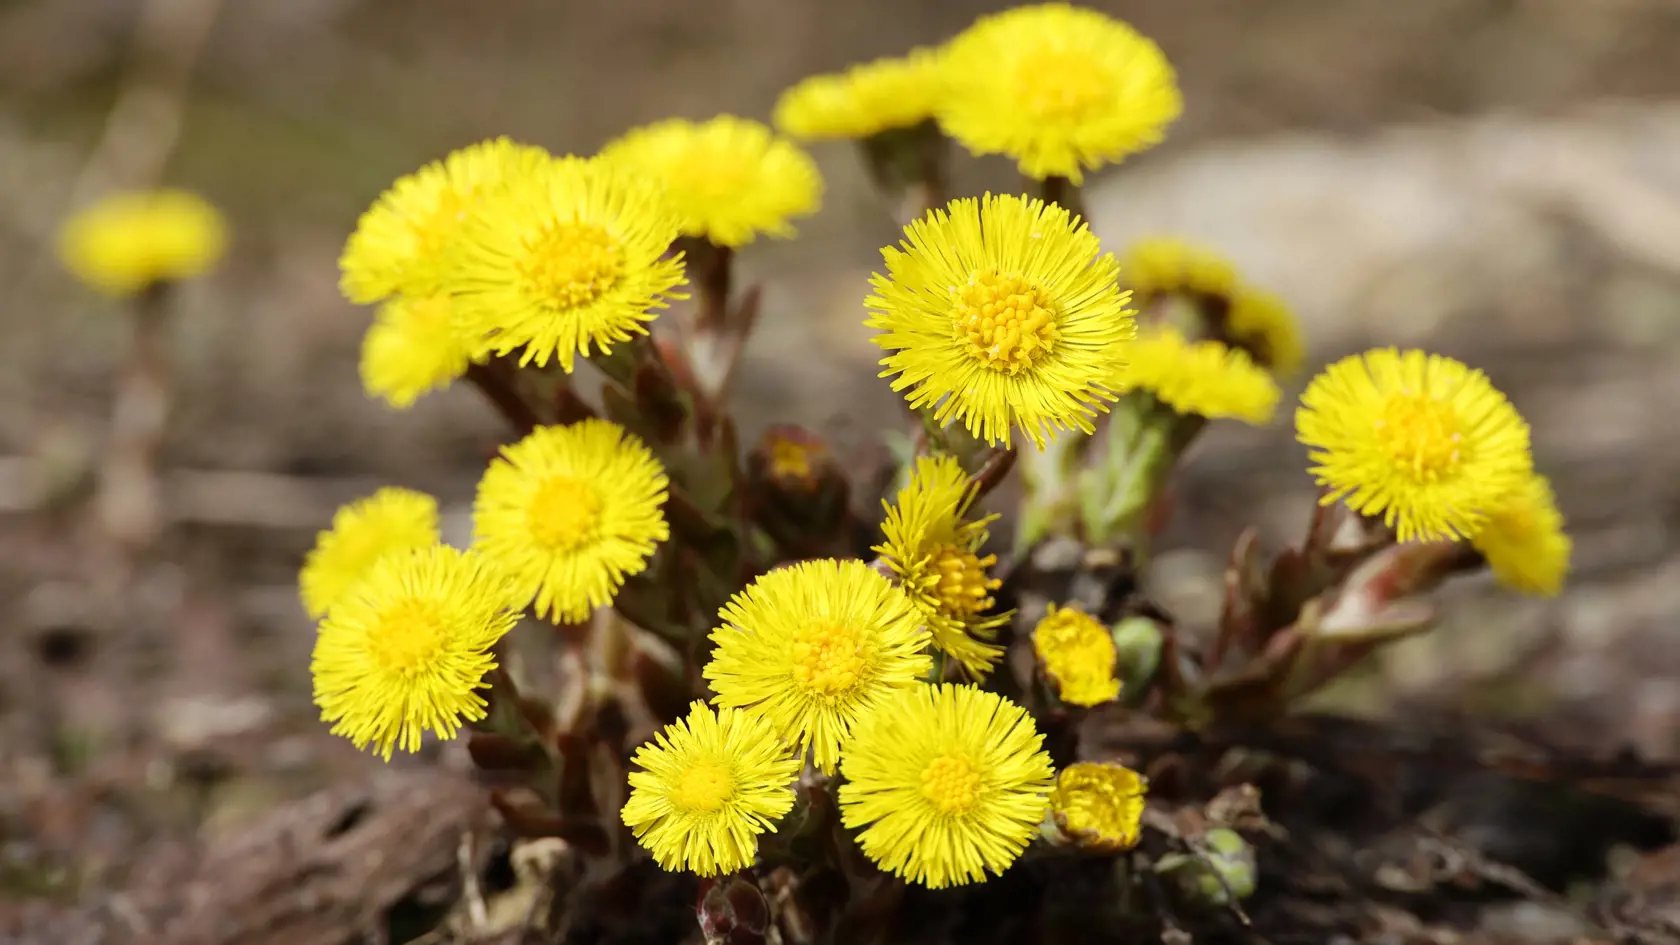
(412, 348)
(1078, 656)
(128, 242)
(864, 100)
(946, 783)
(1099, 805)
(391, 520)
(1204, 378)
(1524, 541)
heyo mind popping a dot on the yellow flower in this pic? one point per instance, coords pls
(1262, 324)
(1166, 265)
(127, 242)
(864, 100)
(1204, 377)
(1524, 541)
(569, 512)
(568, 257)
(389, 521)
(1099, 805)
(401, 244)
(412, 348)
(1060, 89)
(1078, 655)
(936, 557)
(814, 645)
(728, 179)
(1002, 314)
(407, 649)
(948, 782)
(1419, 439)
(710, 784)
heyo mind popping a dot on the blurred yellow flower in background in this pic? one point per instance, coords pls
(1058, 88)
(1524, 541)
(728, 179)
(1204, 378)
(391, 520)
(128, 242)
(1262, 324)
(412, 348)
(864, 100)
(1078, 655)
(1162, 265)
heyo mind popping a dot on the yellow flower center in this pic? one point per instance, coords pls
(963, 589)
(714, 173)
(565, 514)
(1420, 433)
(828, 658)
(951, 784)
(1057, 86)
(1007, 322)
(408, 638)
(705, 787)
(571, 264)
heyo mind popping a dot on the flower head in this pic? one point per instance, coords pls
(128, 242)
(401, 244)
(936, 556)
(1524, 541)
(813, 646)
(947, 783)
(1060, 89)
(1420, 439)
(407, 649)
(728, 179)
(1001, 313)
(710, 784)
(1262, 324)
(1078, 656)
(1099, 805)
(412, 348)
(391, 520)
(1203, 377)
(1165, 265)
(864, 100)
(569, 512)
(565, 258)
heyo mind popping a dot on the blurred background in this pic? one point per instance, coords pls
(1498, 180)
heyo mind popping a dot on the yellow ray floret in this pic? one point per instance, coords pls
(1524, 541)
(569, 512)
(402, 243)
(710, 784)
(1419, 439)
(814, 645)
(728, 179)
(864, 100)
(946, 783)
(1204, 378)
(1262, 324)
(1002, 313)
(128, 242)
(1078, 655)
(565, 259)
(936, 556)
(1166, 265)
(1060, 89)
(407, 649)
(1099, 805)
(412, 348)
(389, 521)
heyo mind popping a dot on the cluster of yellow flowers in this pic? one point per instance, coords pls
(1001, 313)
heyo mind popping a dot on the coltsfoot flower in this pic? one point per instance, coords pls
(1524, 541)
(1419, 439)
(412, 348)
(401, 244)
(1099, 805)
(864, 100)
(569, 257)
(710, 784)
(936, 555)
(569, 512)
(128, 242)
(407, 649)
(728, 179)
(813, 646)
(1002, 314)
(1060, 89)
(1261, 323)
(946, 783)
(1204, 378)
(1078, 655)
(1166, 265)
(390, 521)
